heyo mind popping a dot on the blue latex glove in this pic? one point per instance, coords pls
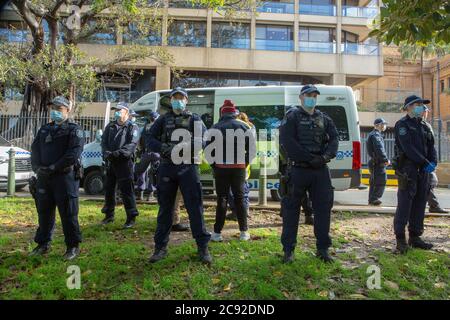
(430, 167)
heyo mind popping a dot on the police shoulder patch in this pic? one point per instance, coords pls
(402, 131)
(135, 133)
(80, 133)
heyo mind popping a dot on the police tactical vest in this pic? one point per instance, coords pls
(173, 122)
(311, 131)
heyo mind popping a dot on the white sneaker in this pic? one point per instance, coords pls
(216, 237)
(245, 236)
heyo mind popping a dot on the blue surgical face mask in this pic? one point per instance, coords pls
(419, 110)
(309, 102)
(56, 116)
(117, 115)
(178, 105)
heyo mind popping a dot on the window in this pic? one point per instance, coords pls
(264, 117)
(442, 82)
(337, 113)
(271, 37)
(318, 7)
(230, 35)
(103, 34)
(134, 36)
(13, 31)
(187, 34)
(448, 82)
(316, 39)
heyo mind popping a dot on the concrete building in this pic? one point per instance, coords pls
(285, 42)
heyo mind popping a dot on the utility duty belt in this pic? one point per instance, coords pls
(299, 164)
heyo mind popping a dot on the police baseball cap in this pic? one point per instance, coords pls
(309, 88)
(413, 99)
(60, 101)
(379, 121)
(179, 90)
(121, 105)
(153, 115)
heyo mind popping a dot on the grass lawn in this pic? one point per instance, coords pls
(114, 264)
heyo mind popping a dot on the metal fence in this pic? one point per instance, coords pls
(22, 130)
(389, 145)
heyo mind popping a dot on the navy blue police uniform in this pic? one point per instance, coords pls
(119, 144)
(310, 141)
(414, 150)
(55, 156)
(172, 176)
(377, 164)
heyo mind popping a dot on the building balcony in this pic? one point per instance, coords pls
(274, 45)
(317, 9)
(276, 7)
(315, 46)
(360, 49)
(360, 12)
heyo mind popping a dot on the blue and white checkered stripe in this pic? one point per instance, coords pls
(344, 154)
(91, 154)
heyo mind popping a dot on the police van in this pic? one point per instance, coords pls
(265, 107)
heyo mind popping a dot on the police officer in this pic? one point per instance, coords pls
(378, 161)
(119, 142)
(179, 172)
(305, 204)
(415, 158)
(310, 140)
(164, 107)
(55, 155)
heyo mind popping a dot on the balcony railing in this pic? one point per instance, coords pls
(360, 49)
(359, 12)
(315, 46)
(276, 7)
(318, 9)
(231, 43)
(274, 45)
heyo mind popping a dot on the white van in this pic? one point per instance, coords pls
(23, 165)
(265, 106)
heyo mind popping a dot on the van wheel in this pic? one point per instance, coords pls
(94, 183)
(275, 195)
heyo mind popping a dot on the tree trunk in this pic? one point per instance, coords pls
(422, 82)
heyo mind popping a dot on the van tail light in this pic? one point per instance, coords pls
(356, 163)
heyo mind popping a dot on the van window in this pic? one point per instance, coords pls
(264, 117)
(339, 116)
(202, 103)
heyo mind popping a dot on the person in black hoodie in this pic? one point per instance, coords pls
(231, 173)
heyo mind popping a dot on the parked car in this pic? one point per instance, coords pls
(23, 165)
(93, 181)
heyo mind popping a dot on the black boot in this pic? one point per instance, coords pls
(108, 219)
(309, 220)
(231, 216)
(71, 253)
(180, 227)
(131, 221)
(324, 255)
(158, 255)
(40, 250)
(204, 255)
(437, 210)
(402, 246)
(417, 242)
(375, 202)
(288, 256)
